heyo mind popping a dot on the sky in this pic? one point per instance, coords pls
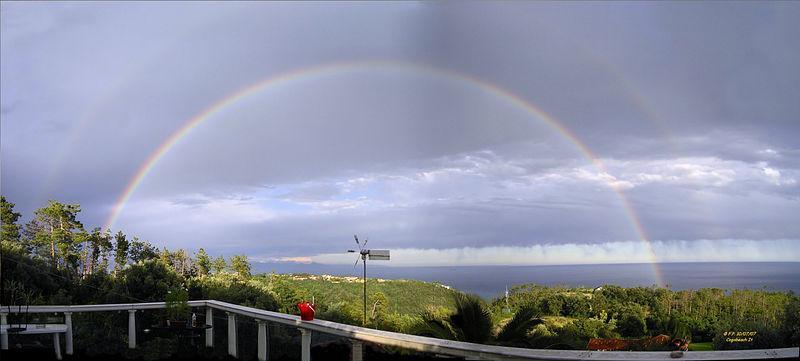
(470, 133)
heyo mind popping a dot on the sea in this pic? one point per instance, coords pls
(490, 281)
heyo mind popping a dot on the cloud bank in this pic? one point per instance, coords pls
(726, 250)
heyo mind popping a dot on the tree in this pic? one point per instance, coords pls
(791, 324)
(632, 325)
(52, 231)
(165, 257)
(141, 251)
(182, 263)
(241, 265)
(219, 265)
(104, 247)
(96, 244)
(379, 302)
(120, 251)
(83, 238)
(8, 218)
(146, 281)
(203, 262)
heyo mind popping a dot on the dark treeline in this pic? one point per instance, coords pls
(54, 259)
(56, 236)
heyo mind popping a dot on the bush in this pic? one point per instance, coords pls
(230, 288)
(148, 281)
(632, 326)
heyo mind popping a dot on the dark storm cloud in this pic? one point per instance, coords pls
(690, 108)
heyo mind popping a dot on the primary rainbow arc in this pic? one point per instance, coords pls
(309, 72)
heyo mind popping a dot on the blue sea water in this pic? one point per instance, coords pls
(490, 281)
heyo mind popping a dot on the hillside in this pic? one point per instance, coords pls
(399, 296)
(392, 304)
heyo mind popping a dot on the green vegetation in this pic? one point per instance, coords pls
(54, 260)
(177, 304)
(699, 315)
(701, 346)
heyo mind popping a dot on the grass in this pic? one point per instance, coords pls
(701, 346)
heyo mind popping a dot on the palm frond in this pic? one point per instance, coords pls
(472, 320)
(434, 326)
(515, 332)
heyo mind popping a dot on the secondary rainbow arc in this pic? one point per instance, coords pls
(304, 73)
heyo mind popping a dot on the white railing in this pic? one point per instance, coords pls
(359, 335)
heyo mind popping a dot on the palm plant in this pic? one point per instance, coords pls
(472, 322)
(515, 332)
(434, 326)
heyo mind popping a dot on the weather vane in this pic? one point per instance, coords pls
(371, 254)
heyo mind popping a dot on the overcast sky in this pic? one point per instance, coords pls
(422, 137)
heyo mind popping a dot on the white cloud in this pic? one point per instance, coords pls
(486, 176)
(768, 152)
(725, 250)
(775, 177)
(603, 178)
(691, 172)
(198, 209)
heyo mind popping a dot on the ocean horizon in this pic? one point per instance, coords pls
(490, 281)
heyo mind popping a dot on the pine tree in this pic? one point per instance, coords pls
(53, 230)
(241, 265)
(203, 262)
(120, 251)
(10, 231)
(219, 265)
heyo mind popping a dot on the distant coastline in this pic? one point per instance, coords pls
(490, 281)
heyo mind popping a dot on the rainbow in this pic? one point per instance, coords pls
(305, 73)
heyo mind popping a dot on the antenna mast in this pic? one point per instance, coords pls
(508, 309)
(375, 254)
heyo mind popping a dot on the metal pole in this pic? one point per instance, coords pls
(364, 257)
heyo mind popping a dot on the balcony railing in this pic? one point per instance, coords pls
(359, 335)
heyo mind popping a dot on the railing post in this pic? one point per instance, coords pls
(68, 334)
(210, 330)
(263, 341)
(57, 345)
(357, 351)
(305, 345)
(4, 336)
(131, 328)
(231, 334)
